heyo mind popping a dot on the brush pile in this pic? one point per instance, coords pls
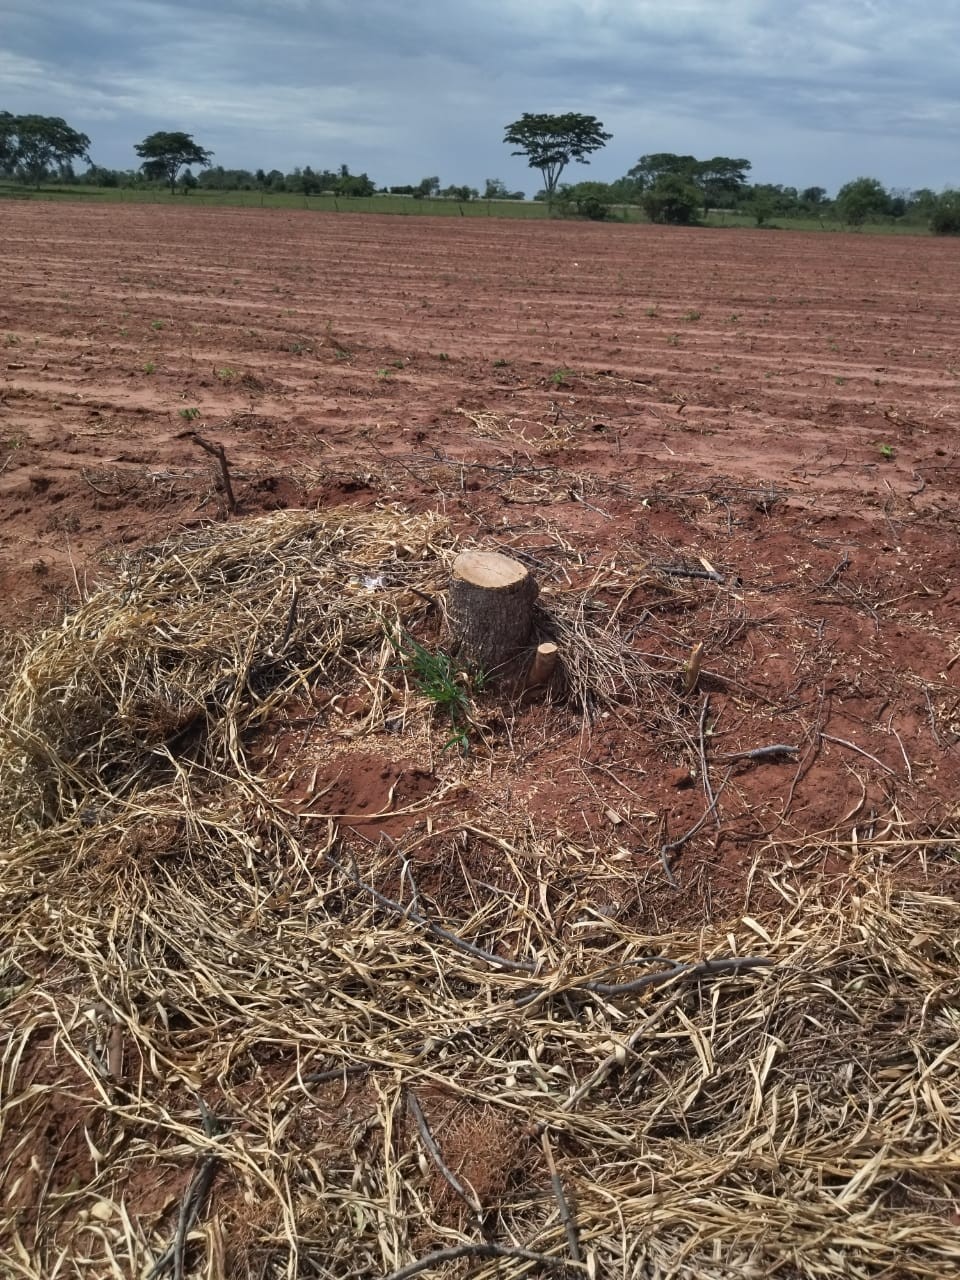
(240, 1042)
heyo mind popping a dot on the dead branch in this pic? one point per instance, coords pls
(478, 1249)
(678, 571)
(673, 845)
(409, 913)
(190, 1208)
(218, 452)
(729, 964)
(563, 1207)
(852, 746)
(469, 1199)
(704, 767)
(762, 753)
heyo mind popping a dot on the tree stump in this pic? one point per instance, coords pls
(543, 665)
(490, 605)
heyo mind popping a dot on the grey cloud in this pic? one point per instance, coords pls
(809, 91)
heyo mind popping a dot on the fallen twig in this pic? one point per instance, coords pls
(728, 964)
(104, 493)
(618, 1057)
(673, 845)
(839, 568)
(842, 742)
(410, 913)
(433, 1150)
(763, 753)
(704, 769)
(933, 719)
(478, 1249)
(667, 869)
(563, 1207)
(190, 1208)
(678, 571)
(291, 619)
(903, 752)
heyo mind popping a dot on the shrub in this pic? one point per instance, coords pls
(672, 199)
(590, 200)
(945, 218)
(861, 199)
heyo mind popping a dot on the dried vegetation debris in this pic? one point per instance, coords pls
(211, 635)
(242, 1041)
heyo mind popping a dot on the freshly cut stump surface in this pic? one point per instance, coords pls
(490, 604)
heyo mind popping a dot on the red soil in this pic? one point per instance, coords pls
(783, 405)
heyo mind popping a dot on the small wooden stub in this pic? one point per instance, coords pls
(691, 671)
(490, 606)
(543, 665)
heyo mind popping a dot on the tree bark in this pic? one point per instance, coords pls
(490, 605)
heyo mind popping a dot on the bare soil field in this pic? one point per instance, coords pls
(745, 441)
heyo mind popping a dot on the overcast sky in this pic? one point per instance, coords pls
(814, 92)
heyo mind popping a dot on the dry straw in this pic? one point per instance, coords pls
(199, 643)
(241, 1044)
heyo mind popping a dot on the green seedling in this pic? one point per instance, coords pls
(226, 374)
(156, 324)
(439, 677)
(189, 414)
(673, 340)
(339, 350)
(559, 377)
(887, 452)
(149, 367)
(460, 739)
(501, 364)
(691, 316)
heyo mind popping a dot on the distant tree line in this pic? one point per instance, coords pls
(37, 149)
(304, 181)
(678, 189)
(669, 188)
(682, 190)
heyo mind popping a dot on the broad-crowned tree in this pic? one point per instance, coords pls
(45, 142)
(164, 154)
(550, 142)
